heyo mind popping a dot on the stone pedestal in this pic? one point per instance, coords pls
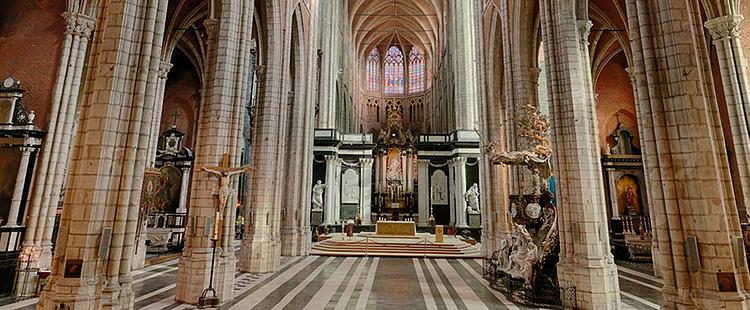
(316, 217)
(475, 220)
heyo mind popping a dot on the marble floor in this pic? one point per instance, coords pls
(320, 282)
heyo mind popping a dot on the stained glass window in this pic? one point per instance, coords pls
(394, 71)
(416, 71)
(373, 71)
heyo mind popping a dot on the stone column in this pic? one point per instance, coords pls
(383, 171)
(15, 202)
(409, 171)
(647, 167)
(734, 76)
(668, 143)
(79, 26)
(452, 190)
(164, 68)
(54, 153)
(337, 190)
(106, 173)
(376, 159)
(219, 137)
(423, 175)
(460, 166)
(585, 259)
(365, 188)
(330, 201)
(184, 186)
(466, 63)
(613, 194)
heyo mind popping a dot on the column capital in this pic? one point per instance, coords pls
(584, 29)
(331, 157)
(632, 74)
(164, 68)
(724, 27)
(460, 160)
(366, 161)
(78, 24)
(26, 150)
(212, 30)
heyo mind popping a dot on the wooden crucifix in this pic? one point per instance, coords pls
(225, 172)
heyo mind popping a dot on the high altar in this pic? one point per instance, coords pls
(393, 173)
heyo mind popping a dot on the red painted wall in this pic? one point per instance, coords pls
(31, 33)
(615, 94)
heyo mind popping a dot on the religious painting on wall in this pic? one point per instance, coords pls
(170, 191)
(628, 196)
(10, 158)
(153, 183)
(439, 188)
(350, 187)
(393, 172)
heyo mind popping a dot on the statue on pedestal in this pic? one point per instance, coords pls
(317, 199)
(472, 198)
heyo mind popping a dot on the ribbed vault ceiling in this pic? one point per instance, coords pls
(380, 23)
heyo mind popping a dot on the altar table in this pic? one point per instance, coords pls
(396, 228)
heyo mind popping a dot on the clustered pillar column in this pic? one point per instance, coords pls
(365, 190)
(734, 76)
(15, 202)
(586, 264)
(219, 137)
(164, 68)
(53, 158)
(704, 218)
(105, 175)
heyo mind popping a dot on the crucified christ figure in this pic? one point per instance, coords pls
(225, 172)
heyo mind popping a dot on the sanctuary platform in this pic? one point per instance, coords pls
(419, 245)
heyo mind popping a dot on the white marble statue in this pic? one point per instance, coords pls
(523, 255)
(472, 198)
(317, 199)
(394, 169)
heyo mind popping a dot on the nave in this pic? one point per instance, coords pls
(328, 282)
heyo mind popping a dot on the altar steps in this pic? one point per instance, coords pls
(396, 248)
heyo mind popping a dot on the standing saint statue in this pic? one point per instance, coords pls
(317, 198)
(225, 172)
(472, 198)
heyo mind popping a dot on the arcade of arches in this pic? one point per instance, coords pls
(352, 154)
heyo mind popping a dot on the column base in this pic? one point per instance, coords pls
(595, 282)
(84, 293)
(703, 299)
(259, 254)
(139, 257)
(293, 241)
(27, 281)
(195, 271)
